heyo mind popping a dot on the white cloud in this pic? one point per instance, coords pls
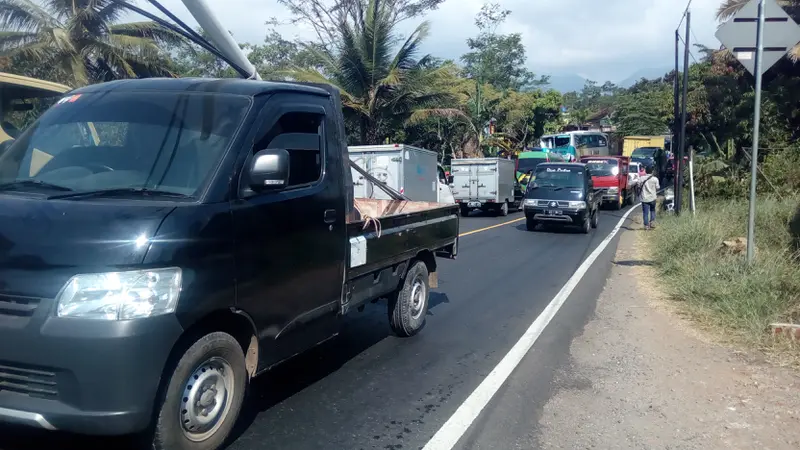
(600, 39)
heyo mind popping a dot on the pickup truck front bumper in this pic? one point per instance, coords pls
(566, 216)
(85, 376)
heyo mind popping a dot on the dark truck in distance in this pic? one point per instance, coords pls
(562, 194)
(211, 234)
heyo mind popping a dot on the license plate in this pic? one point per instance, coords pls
(474, 204)
(553, 212)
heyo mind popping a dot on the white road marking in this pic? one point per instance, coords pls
(455, 427)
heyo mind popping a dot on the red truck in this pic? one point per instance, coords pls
(610, 173)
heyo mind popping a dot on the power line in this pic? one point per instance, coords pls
(690, 52)
(684, 14)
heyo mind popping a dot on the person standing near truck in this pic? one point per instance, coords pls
(647, 190)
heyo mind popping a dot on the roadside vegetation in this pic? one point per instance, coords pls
(714, 281)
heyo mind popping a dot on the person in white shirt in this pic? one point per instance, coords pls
(647, 188)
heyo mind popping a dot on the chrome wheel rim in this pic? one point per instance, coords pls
(418, 297)
(206, 399)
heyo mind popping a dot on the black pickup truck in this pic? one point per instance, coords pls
(562, 194)
(208, 233)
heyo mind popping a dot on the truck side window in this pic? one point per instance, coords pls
(305, 161)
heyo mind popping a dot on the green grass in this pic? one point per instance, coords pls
(719, 285)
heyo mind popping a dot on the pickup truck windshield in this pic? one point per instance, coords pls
(556, 141)
(526, 164)
(559, 177)
(603, 169)
(644, 152)
(159, 142)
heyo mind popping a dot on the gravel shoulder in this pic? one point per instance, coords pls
(642, 376)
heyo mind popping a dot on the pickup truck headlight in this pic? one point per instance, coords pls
(121, 295)
(577, 204)
(613, 190)
(530, 202)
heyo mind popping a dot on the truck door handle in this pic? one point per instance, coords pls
(330, 215)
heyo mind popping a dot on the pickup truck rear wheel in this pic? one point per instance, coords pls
(203, 396)
(464, 211)
(409, 305)
(595, 218)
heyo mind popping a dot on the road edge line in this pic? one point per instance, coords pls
(451, 432)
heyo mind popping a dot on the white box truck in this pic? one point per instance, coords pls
(485, 183)
(410, 170)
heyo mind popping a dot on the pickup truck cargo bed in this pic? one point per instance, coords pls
(390, 231)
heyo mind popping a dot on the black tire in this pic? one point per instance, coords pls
(503, 211)
(206, 361)
(595, 218)
(530, 224)
(617, 205)
(407, 311)
(464, 211)
(586, 226)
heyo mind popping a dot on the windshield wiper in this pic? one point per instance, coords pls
(32, 183)
(122, 191)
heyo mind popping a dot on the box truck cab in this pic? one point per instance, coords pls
(610, 174)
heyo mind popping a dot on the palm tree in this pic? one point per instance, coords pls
(380, 90)
(78, 41)
(792, 8)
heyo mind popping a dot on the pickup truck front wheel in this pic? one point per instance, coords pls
(203, 396)
(409, 304)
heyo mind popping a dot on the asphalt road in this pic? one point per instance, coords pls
(368, 389)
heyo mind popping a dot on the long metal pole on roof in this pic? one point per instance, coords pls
(219, 35)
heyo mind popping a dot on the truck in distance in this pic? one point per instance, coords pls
(487, 184)
(562, 194)
(610, 174)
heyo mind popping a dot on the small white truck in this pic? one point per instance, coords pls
(485, 183)
(411, 171)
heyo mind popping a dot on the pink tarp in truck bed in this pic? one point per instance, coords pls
(370, 207)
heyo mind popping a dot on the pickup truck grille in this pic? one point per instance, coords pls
(30, 382)
(547, 203)
(18, 306)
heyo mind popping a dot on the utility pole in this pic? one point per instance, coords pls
(676, 111)
(737, 36)
(679, 155)
(751, 216)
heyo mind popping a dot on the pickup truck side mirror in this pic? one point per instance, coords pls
(269, 170)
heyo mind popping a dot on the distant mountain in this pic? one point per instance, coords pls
(650, 74)
(566, 83)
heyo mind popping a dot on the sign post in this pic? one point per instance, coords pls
(775, 33)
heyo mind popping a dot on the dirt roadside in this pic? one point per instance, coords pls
(641, 377)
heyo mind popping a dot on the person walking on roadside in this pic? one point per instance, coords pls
(646, 188)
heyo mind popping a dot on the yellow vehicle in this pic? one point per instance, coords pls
(23, 99)
(631, 143)
(17, 94)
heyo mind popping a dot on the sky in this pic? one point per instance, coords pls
(596, 39)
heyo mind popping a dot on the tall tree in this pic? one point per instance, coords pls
(381, 84)
(325, 16)
(79, 41)
(495, 58)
